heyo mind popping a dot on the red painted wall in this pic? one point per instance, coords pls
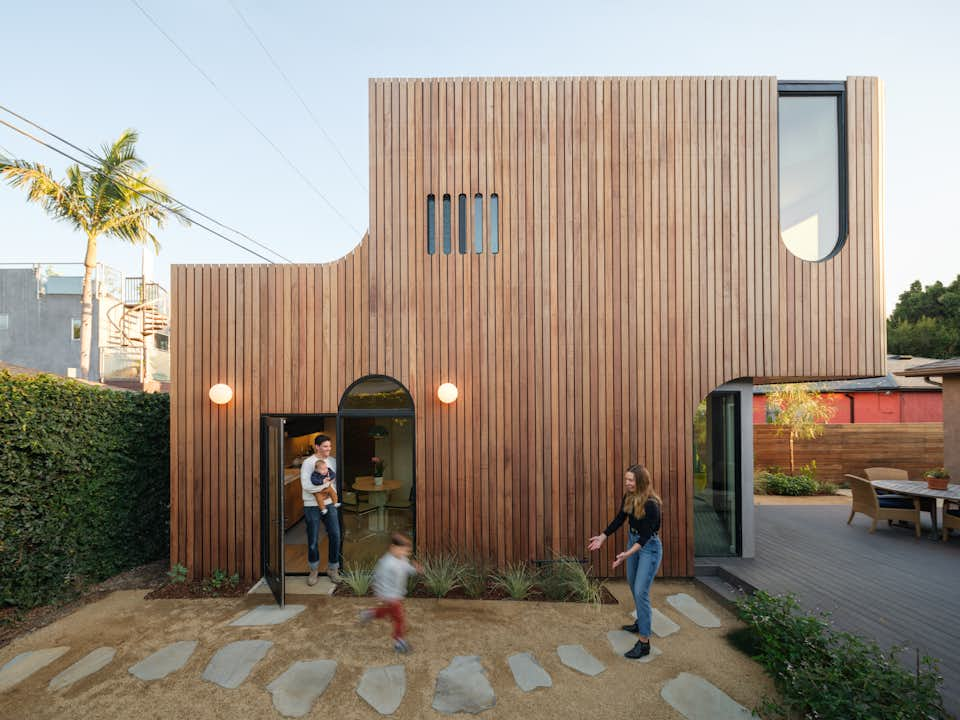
(873, 407)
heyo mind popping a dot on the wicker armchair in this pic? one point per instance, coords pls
(951, 518)
(867, 502)
(887, 473)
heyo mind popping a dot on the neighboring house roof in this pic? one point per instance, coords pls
(895, 379)
(950, 366)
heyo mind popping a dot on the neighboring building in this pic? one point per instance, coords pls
(40, 324)
(947, 373)
(586, 260)
(890, 398)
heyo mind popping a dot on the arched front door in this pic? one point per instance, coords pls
(377, 466)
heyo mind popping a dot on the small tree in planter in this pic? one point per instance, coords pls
(800, 412)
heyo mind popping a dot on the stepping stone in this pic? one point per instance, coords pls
(689, 607)
(660, 623)
(231, 664)
(26, 664)
(696, 699)
(621, 641)
(295, 691)
(577, 657)
(383, 688)
(463, 686)
(527, 672)
(87, 665)
(268, 615)
(164, 661)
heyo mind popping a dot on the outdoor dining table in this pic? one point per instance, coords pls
(919, 489)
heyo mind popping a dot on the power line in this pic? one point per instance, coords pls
(132, 189)
(139, 180)
(246, 117)
(299, 97)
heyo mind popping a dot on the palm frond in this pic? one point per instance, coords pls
(62, 201)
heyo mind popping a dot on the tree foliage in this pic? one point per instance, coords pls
(799, 412)
(926, 321)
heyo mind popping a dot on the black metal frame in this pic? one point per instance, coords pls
(266, 476)
(715, 422)
(815, 88)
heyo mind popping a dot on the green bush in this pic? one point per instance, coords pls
(566, 579)
(441, 573)
(516, 579)
(474, 576)
(84, 485)
(783, 484)
(822, 673)
(358, 576)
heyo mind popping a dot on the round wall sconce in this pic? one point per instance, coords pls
(447, 393)
(221, 394)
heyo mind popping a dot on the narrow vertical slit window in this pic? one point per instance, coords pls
(494, 224)
(462, 223)
(478, 223)
(446, 224)
(431, 224)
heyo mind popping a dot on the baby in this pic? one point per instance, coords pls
(326, 479)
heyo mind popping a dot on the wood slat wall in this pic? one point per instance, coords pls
(843, 448)
(640, 268)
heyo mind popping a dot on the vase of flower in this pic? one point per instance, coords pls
(937, 479)
(378, 466)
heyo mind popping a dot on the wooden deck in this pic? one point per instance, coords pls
(886, 586)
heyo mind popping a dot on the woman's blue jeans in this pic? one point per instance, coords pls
(642, 567)
(331, 521)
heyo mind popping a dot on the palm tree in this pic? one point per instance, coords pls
(116, 199)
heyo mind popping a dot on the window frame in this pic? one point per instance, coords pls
(817, 88)
(79, 322)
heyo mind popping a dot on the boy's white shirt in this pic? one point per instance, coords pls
(390, 577)
(309, 489)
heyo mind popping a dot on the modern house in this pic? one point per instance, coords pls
(890, 398)
(585, 260)
(40, 324)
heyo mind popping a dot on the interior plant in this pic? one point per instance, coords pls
(937, 478)
(442, 573)
(378, 466)
(516, 579)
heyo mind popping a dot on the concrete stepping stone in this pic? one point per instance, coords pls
(383, 688)
(577, 657)
(164, 661)
(87, 665)
(660, 623)
(299, 686)
(692, 609)
(231, 664)
(26, 664)
(621, 641)
(463, 686)
(268, 615)
(696, 699)
(527, 672)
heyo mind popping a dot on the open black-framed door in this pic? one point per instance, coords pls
(271, 502)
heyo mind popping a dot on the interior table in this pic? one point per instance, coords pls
(378, 497)
(918, 488)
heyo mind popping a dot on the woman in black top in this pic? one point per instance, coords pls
(641, 506)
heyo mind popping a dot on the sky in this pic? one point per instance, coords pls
(88, 70)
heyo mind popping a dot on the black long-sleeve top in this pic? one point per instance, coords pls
(644, 527)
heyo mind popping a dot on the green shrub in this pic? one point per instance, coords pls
(566, 579)
(358, 576)
(516, 579)
(822, 673)
(177, 574)
(441, 573)
(782, 484)
(84, 485)
(474, 577)
(827, 488)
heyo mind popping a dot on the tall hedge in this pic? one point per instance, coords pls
(84, 485)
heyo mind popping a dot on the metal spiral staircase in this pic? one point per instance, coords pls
(143, 311)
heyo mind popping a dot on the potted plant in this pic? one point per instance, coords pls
(937, 479)
(378, 466)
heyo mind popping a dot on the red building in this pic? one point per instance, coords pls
(886, 399)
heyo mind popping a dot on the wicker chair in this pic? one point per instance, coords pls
(887, 473)
(875, 507)
(951, 518)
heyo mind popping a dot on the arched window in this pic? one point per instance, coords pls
(812, 173)
(376, 392)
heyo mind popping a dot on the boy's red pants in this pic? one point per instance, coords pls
(394, 610)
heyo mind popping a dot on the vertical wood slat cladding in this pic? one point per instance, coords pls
(640, 267)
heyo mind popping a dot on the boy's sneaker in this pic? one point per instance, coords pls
(337, 504)
(401, 646)
(365, 616)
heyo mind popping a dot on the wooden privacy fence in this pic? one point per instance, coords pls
(914, 447)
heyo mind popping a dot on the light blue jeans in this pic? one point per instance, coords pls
(642, 567)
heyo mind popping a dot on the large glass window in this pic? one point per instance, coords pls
(376, 393)
(812, 174)
(716, 474)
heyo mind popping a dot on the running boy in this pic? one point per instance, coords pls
(390, 586)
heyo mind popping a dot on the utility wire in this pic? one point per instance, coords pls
(299, 97)
(140, 180)
(132, 189)
(246, 117)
